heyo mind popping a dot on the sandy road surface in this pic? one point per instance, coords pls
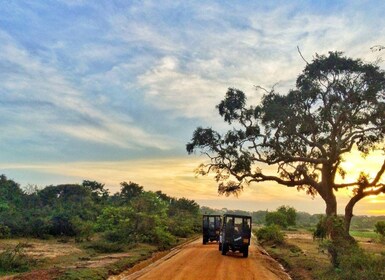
(197, 261)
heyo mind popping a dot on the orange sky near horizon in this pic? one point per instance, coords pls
(176, 177)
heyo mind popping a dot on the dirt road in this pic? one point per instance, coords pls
(196, 261)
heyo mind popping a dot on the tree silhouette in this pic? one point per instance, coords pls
(338, 105)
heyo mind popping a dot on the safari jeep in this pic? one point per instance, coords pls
(211, 225)
(235, 234)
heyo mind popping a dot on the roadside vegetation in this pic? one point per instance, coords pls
(309, 253)
(83, 222)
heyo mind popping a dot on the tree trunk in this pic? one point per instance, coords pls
(349, 211)
(330, 201)
(331, 205)
(326, 191)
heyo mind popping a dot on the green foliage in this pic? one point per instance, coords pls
(99, 193)
(183, 225)
(105, 247)
(337, 242)
(162, 238)
(365, 222)
(276, 218)
(380, 228)
(364, 234)
(85, 274)
(83, 229)
(5, 232)
(114, 217)
(284, 216)
(129, 191)
(270, 234)
(355, 264)
(320, 230)
(15, 260)
(77, 211)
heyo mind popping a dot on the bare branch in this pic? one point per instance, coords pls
(299, 51)
(379, 174)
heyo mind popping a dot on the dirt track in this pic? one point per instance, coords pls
(197, 261)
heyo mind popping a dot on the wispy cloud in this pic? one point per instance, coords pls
(54, 103)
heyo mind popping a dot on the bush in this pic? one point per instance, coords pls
(105, 247)
(284, 216)
(380, 228)
(320, 230)
(276, 218)
(5, 232)
(15, 260)
(84, 274)
(163, 239)
(270, 234)
(337, 242)
(355, 264)
(61, 225)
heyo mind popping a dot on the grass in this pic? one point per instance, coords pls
(303, 259)
(364, 234)
(15, 260)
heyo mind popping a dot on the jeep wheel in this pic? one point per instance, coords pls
(224, 249)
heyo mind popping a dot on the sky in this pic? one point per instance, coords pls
(112, 91)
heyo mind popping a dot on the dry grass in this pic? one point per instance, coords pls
(61, 257)
(304, 260)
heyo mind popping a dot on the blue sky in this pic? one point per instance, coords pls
(112, 90)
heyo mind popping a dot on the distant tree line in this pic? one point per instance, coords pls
(81, 211)
(302, 219)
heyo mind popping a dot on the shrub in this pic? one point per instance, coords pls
(320, 230)
(163, 238)
(284, 216)
(5, 232)
(105, 247)
(84, 274)
(380, 228)
(355, 264)
(15, 260)
(270, 234)
(83, 229)
(276, 218)
(61, 225)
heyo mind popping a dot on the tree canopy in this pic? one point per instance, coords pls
(338, 105)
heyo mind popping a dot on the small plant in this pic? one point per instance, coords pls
(271, 234)
(15, 260)
(163, 239)
(336, 243)
(320, 230)
(380, 228)
(5, 232)
(84, 274)
(105, 247)
(355, 264)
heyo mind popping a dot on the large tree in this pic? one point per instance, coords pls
(338, 105)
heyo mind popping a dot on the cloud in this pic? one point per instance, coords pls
(53, 102)
(260, 48)
(188, 93)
